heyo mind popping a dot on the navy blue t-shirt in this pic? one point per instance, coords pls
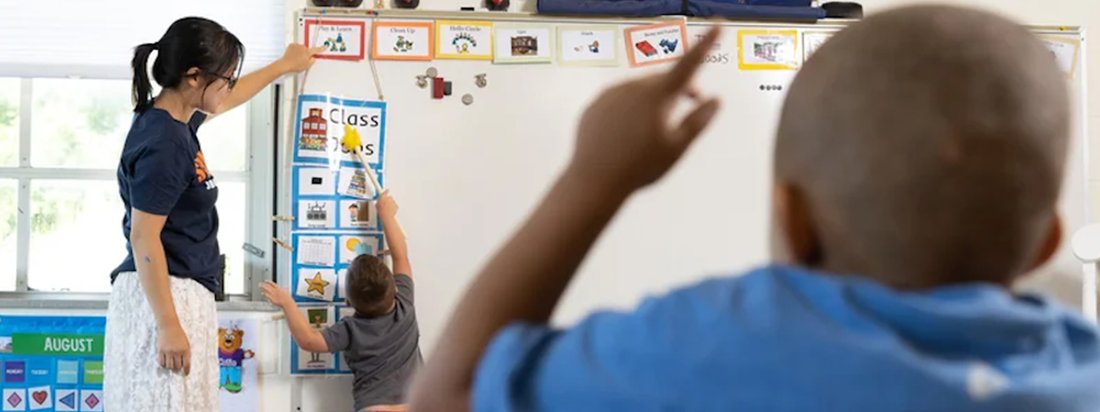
(163, 172)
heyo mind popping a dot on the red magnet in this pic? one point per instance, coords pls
(437, 87)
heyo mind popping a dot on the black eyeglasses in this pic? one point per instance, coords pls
(232, 81)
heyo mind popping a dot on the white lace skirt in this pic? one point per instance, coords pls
(133, 381)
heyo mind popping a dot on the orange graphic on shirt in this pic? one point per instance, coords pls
(200, 168)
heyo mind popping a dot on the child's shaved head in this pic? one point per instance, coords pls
(924, 146)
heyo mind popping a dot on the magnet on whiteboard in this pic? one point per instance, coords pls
(497, 5)
(437, 88)
(467, 99)
(422, 81)
(481, 82)
(432, 72)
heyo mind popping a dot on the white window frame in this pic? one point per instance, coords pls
(258, 177)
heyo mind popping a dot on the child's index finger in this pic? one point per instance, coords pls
(685, 69)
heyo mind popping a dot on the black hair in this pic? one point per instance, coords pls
(189, 42)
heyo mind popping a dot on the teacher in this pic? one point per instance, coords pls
(161, 334)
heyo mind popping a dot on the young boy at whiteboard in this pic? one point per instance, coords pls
(381, 342)
(917, 169)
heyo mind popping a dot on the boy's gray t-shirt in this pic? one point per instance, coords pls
(383, 351)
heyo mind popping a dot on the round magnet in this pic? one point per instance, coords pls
(481, 82)
(432, 72)
(422, 81)
(467, 99)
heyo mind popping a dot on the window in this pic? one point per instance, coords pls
(59, 158)
(76, 235)
(8, 207)
(9, 125)
(95, 39)
(9, 202)
(78, 123)
(64, 114)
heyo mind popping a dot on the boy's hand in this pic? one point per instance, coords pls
(625, 140)
(387, 207)
(276, 295)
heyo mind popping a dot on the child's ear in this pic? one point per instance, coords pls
(1050, 245)
(797, 236)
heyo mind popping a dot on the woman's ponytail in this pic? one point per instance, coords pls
(142, 87)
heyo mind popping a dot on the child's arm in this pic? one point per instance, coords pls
(395, 236)
(308, 338)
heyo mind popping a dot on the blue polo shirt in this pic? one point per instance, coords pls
(792, 340)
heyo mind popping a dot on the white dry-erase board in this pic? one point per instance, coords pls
(467, 175)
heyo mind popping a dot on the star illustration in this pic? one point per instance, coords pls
(316, 284)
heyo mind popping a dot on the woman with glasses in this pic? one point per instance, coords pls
(161, 335)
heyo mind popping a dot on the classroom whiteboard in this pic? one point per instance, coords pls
(466, 176)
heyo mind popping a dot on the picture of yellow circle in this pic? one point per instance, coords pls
(353, 244)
